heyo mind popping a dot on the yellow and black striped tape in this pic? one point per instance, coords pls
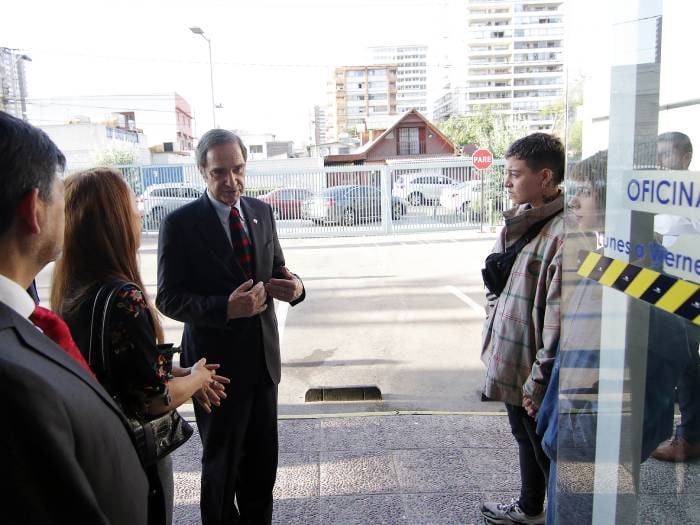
(663, 291)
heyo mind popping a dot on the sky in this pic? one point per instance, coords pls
(271, 58)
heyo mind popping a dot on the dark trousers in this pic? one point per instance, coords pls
(534, 464)
(240, 453)
(689, 398)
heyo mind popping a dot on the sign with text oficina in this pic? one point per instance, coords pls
(674, 199)
(664, 192)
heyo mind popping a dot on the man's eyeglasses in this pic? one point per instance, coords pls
(220, 174)
(579, 189)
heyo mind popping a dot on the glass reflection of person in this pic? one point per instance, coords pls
(675, 152)
(568, 430)
(567, 419)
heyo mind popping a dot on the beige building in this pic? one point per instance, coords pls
(411, 74)
(359, 92)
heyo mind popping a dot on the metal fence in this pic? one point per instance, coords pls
(400, 197)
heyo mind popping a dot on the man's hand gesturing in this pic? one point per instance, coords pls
(286, 289)
(247, 300)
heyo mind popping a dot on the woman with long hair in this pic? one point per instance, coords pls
(102, 237)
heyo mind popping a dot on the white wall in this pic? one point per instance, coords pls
(83, 143)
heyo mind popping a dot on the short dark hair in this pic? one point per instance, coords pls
(594, 170)
(680, 141)
(28, 160)
(217, 137)
(540, 151)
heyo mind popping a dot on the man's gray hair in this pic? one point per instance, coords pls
(679, 141)
(217, 137)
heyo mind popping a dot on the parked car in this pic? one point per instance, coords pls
(160, 199)
(464, 198)
(286, 203)
(421, 188)
(349, 205)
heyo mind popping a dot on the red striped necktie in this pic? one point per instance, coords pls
(241, 242)
(57, 330)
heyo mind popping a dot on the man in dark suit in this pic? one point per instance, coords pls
(219, 267)
(67, 456)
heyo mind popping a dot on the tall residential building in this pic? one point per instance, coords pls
(318, 126)
(13, 83)
(514, 60)
(359, 92)
(411, 74)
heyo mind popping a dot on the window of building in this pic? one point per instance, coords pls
(409, 141)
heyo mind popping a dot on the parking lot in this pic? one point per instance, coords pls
(401, 312)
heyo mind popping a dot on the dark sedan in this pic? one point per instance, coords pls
(286, 203)
(349, 205)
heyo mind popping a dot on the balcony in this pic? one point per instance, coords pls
(485, 54)
(476, 74)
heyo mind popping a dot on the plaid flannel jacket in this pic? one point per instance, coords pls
(521, 331)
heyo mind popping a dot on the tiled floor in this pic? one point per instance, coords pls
(412, 469)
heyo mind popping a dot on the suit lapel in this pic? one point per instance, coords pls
(255, 224)
(211, 231)
(51, 351)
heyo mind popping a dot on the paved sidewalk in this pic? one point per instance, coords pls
(417, 469)
(379, 469)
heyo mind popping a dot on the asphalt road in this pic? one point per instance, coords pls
(400, 312)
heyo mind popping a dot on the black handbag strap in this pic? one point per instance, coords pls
(99, 327)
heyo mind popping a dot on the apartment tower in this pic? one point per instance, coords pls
(509, 56)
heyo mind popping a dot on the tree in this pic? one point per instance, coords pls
(486, 129)
(124, 161)
(556, 112)
(116, 157)
(566, 122)
(495, 132)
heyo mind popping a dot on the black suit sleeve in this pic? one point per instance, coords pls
(174, 298)
(278, 260)
(42, 479)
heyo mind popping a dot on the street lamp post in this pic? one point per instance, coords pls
(20, 81)
(198, 31)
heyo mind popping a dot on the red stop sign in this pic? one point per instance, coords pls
(482, 159)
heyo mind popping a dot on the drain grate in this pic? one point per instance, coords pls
(343, 393)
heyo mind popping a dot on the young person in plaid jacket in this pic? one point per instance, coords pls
(521, 332)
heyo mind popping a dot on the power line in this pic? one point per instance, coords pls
(66, 122)
(163, 96)
(217, 62)
(92, 106)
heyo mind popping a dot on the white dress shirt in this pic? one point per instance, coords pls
(224, 212)
(670, 227)
(16, 297)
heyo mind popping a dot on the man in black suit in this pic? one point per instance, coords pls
(67, 456)
(219, 267)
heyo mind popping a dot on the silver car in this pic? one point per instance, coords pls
(421, 188)
(160, 199)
